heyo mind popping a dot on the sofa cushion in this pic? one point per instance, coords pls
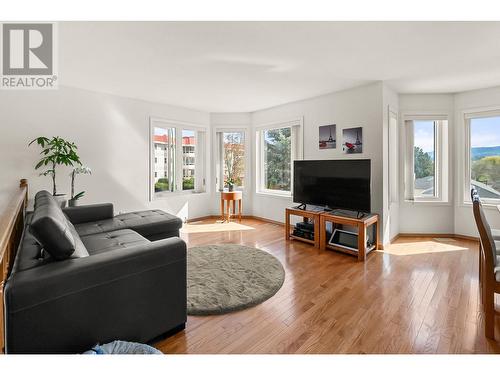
(53, 230)
(151, 222)
(102, 242)
(100, 226)
(147, 223)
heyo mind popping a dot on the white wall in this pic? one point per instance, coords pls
(113, 137)
(360, 106)
(112, 134)
(391, 209)
(418, 217)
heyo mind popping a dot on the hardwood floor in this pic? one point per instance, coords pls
(417, 296)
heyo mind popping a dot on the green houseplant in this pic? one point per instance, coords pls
(56, 151)
(74, 197)
(230, 183)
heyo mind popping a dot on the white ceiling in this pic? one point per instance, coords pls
(247, 66)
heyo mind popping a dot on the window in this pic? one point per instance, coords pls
(164, 146)
(483, 159)
(426, 172)
(277, 148)
(188, 158)
(424, 159)
(176, 158)
(277, 151)
(230, 158)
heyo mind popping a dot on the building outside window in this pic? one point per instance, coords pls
(164, 146)
(176, 166)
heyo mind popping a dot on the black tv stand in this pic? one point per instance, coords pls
(301, 206)
(360, 215)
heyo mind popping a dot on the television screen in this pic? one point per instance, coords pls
(341, 184)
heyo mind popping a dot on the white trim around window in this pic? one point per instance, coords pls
(176, 173)
(441, 162)
(217, 152)
(297, 127)
(465, 185)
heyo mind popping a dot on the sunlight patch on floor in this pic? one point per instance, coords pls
(215, 227)
(422, 247)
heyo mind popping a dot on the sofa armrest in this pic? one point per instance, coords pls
(90, 212)
(55, 280)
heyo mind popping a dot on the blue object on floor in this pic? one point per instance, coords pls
(123, 347)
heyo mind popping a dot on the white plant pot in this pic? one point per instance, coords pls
(72, 202)
(61, 199)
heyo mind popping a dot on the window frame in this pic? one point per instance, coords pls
(297, 127)
(200, 166)
(441, 161)
(393, 150)
(467, 115)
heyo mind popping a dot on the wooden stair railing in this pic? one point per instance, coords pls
(13, 204)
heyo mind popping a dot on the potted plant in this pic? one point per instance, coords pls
(74, 197)
(56, 151)
(230, 182)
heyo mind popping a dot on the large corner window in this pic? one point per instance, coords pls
(426, 159)
(230, 165)
(483, 156)
(176, 158)
(277, 147)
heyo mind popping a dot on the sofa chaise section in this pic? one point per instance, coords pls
(99, 218)
(120, 285)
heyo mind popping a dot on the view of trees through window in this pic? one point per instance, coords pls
(485, 156)
(424, 158)
(234, 158)
(277, 147)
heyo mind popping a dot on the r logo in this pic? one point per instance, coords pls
(27, 49)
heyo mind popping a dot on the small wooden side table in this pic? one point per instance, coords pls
(230, 197)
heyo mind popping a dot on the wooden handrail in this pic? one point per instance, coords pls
(12, 213)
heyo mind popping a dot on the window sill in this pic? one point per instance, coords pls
(287, 196)
(176, 194)
(428, 202)
(487, 205)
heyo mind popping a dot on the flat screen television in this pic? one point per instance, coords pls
(336, 184)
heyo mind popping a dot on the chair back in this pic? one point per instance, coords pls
(487, 242)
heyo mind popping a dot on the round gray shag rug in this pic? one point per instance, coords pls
(225, 278)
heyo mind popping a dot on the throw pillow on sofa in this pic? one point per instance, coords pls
(52, 229)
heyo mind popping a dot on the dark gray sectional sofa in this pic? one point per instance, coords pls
(83, 276)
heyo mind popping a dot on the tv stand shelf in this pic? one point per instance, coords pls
(361, 224)
(321, 218)
(306, 215)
